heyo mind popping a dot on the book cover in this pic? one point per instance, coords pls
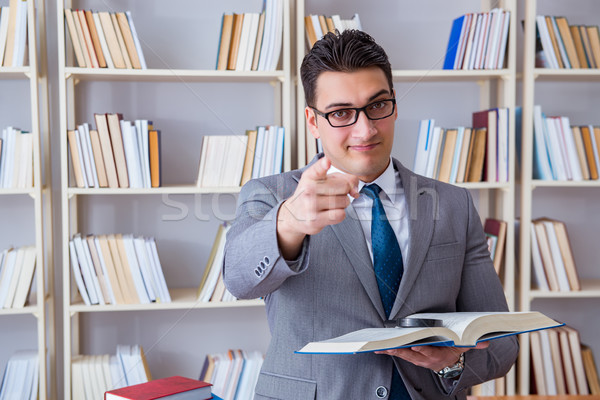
(459, 329)
(163, 388)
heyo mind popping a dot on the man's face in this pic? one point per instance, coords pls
(362, 149)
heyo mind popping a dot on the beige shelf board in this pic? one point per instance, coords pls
(181, 299)
(179, 189)
(579, 74)
(484, 185)
(171, 75)
(589, 288)
(548, 183)
(30, 191)
(30, 309)
(441, 75)
(14, 72)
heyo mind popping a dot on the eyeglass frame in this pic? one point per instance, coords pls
(358, 110)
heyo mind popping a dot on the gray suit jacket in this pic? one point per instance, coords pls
(331, 290)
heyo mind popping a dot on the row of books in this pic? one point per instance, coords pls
(102, 39)
(93, 375)
(478, 40)
(13, 34)
(554, 266)
(316, 26)
(567, 46)
(212, 287)
(561, 364)
(465, 154)
(21, 376)
(563, 151)
(17, 268)
(251, 41)
(117, 153)
(232, 374)
(495, 232)
(16, 158)
(117, 269)
(232, 160)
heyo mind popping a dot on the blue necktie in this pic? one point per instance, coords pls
(388, 265)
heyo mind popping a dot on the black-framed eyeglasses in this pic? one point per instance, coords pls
(379, 109)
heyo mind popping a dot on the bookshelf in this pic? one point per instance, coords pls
(424, 90)
(29, 209)
(186, 98)
(564, 92)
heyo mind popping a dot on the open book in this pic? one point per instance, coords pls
(459, 329)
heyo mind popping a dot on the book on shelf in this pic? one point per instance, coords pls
(212, 288)
(251, 41)
(102, 39)
(591, 371)
(21, 376)
(495, 230)
(172, 387)
(13, 34)
(16, 158)
(232, 374)
(117, 269)
(478, 40)
(568, 46)
(316, 26)
(17, 269)
(459, 329)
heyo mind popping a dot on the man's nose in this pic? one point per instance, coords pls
(364, 127)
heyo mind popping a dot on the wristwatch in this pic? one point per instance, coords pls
(454, 370)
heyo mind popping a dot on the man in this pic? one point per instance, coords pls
(308, 242)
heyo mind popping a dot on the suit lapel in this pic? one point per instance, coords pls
(420, 208)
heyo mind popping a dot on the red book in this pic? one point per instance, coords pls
(174, 387)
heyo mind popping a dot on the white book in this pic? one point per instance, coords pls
(134, 267)
(337, 23)
(117, 373)
(424, 139)
(267, 161)
(77, 274)
(317, 26)
(503, 40)
(14, 280)
(548, 365)
(483, 40)
(203, 157)
(25, 277)
(87, 142)
(356, 22)
(539, 276)
(432, 156)
(253, 32)
(546, 42)
(8, 269)
(136, 40)
(215, 161)
(456, 156)
(82, 160)
(20, 35)
(105, 362)
(132, 159)
(86, 270)
(557, 156)
(109, 287)
(267, 35)
(244, 42)
(123, 360)
(142, 136)
(3, 31)
(234, 168)
(3, 154)
(469, 43)
(102, 39)
(258, 152)
(215, 267)
(90, 263)
(145, 268)
(563, 126)
(278, 37)
(556, 128)
(557, 260)
(13, 145)
(493, 38)
(25, 158)
(91, 381)
(561, 46)
(502, 151)
(541, 160)
(158, 271)
(279, 150)
(16, 161)
(475, 46)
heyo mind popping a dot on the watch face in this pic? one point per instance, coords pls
(453, 373)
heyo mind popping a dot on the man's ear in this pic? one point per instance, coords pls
(311, 122)
(396, 109)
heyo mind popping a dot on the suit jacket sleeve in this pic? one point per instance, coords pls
(253, 265)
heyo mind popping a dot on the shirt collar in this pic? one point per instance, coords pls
(386, 181)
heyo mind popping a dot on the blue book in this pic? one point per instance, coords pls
(453, 42)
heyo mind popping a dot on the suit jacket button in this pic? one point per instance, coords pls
(381, 392)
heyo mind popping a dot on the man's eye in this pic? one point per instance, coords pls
(340, 114)
(378, 105)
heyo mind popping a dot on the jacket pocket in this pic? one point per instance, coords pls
(274, 386)
(442, 251)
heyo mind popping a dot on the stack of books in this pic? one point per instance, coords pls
(117, 269)
(96, 374)
(478, 40)
(117, 153)
(102, 39)
(13, 34)
(21, 376)
(17, 268)
(554, 266)
(316, 26)
(212, 288)
(232, 160)
(465, 154)
(16, 158)
(233, 374)
(252, 41)
(558, 363)
(564, 152)
(566, 46)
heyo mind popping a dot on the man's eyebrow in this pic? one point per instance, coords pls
(373, 97)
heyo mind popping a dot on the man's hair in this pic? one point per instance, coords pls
(348, 51)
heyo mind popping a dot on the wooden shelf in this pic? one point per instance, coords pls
(12, 191)
(181, 299)
(589, 288)
(557, 75)
(448, 75)
(183, 189)
(171, 75)
(32, 309)
(14, 72)
(547, 183)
